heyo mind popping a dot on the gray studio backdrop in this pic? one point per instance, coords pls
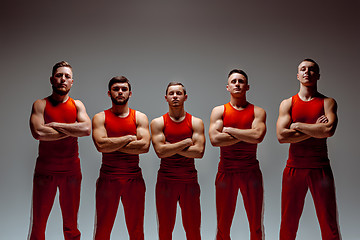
(194, 42)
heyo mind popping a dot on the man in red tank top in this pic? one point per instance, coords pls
(305, 121)
(237, 127)
(178, 138)
(57, 121)
(120, 134)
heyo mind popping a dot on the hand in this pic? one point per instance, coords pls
(226, 130)
(322, 119)
(51, 124)
(132, 138)
(189, 142)
(294, 126)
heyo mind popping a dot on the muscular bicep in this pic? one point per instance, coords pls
(259, 123)
(37, 124)
(330, 108)
(98, 128)
(142, 129)
(157, 134)
(198, 136)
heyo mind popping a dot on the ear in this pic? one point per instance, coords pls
(297, 76)
(186, 96)
(109, 94)
(51, 80)
(227, 87)
(130, 93)
(166, 97)
(247, 87)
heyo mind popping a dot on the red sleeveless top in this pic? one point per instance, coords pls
(312, 152)
(240, 156)
(177, 167)
(59, 156)
(118, 163)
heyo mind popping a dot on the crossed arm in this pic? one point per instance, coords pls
(221, 136)
(293, 132)
(132, 144)
(55, 130)
(190, 147)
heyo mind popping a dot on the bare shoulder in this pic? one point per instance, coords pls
(157, 122)
(329, 101)
(39, 105)
(286, 104)
(217, 111)
(259, 111)
(197, 122)
(79, 104)
(99, 116)
(141, 118)
(141, 115)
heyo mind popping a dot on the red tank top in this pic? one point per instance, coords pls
(177, 167)
(240, 156)
(117, 163)
(312, 152)
(59, 156)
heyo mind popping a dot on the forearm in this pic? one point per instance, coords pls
(317, 130)
(170, 149)
(246, 135)
(192, 152)
(222, 140)
(291, 136)
(136, 147)
(47, 134)
(109, 144)
(78, 129)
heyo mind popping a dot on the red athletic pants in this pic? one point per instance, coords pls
(168, 193)
(251, 187)
(296, 182)
(44, 191)
(109, 191)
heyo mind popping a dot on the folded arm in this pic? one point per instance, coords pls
(142, 142)
(218, 138)
(82, 126)
(196, 150)
(325, 125)
(257, 131)
(39, 129)
(162, 148)
(101, 140)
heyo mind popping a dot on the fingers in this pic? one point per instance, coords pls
(322, 119)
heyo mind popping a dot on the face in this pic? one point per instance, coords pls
(62, 80)
(176, 96)
(307, 74)
(119, 93)
(237, 84)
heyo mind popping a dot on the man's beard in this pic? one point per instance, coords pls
(116, 102)
(60, 92)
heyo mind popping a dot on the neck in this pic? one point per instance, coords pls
(59, 98)
(177, 114)
(307, 93)
(238, 102)
(120, 110)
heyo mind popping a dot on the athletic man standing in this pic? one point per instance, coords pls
(178, 138)
(237, 127)
(305, 121)
(120, 134)
(57, 121)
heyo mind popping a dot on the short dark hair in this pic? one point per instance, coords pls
(175, 84)
(59, 65)
(317, 68)
(119, 79)
(239, 71)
